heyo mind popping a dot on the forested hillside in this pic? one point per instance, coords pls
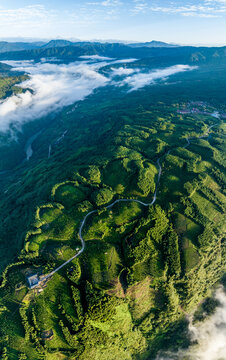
(147, 264)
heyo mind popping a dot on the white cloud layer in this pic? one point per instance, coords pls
(95, 57)
(140, 80)
(52, 86)
(122, 71)
(209, 337)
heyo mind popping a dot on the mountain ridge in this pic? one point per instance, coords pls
(186, 54)
(153, 43)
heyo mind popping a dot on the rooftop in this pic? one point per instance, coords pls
(33, 281)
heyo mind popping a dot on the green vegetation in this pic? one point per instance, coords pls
(102, 196)
(143, 268)
(7, 85)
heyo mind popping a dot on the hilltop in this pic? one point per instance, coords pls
(145, 262)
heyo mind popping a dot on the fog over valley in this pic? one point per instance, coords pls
(53, 85)
(209, 336)
(112, 180)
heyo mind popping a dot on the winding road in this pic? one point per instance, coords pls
(124, 200)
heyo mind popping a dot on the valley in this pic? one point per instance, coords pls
(48, 276)
(120, 205)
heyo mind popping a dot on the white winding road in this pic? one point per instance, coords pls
(123, 200)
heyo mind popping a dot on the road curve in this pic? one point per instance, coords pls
(122, 200)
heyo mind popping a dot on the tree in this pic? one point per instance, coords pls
(22, 356)
(102, 197)
(173, 254)
(119, 189)
(93, 174)
(4, 354)
(146, 181)
(75, 273)
(160, 226)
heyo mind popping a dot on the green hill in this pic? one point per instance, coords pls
(144, 268)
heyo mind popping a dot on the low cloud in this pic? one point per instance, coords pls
(124, 61)
(95, 57)
(122, 71)
(209, 337)
(52, 86)
(140, 80)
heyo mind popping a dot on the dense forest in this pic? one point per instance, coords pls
(144, 268)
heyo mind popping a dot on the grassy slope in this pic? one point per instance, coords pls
(134, 296)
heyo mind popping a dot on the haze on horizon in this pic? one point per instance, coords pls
(191, 22)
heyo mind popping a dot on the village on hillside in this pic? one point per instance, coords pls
(201, 108)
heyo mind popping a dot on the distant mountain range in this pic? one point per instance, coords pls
(17, 46)
(57, 43)
(154, 44)
(6, 46)
(157, 53)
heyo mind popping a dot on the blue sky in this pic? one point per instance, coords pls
(185, 22)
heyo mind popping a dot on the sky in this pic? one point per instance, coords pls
(183, 22)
